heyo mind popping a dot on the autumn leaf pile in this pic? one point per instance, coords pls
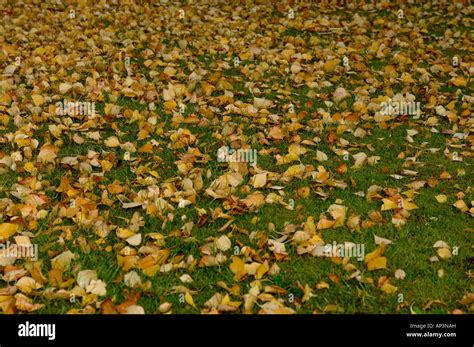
(131, 210)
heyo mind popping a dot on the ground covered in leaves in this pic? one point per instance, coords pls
(131, 210)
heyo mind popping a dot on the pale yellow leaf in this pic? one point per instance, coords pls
(38, 99)
(259, 180)
(112, 141)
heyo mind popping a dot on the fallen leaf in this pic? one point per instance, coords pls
(444, 253)
(48, 153)
(461, 205)
(223, 243)
(259, 180)
(400, 274)
(38, 100)
(377, 263)
(189, 299)
(7, 230)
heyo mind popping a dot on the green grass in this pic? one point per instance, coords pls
(411, 250)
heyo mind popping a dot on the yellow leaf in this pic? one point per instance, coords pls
(147, 148)
(309, 226)
(388, 205)
(7, 230)
(444, 253)
(378, 252)
(331, 308)
(23, 303)
(296, 150)
(321, 156)
(207, 88)
(62, 261)
(238, 268)
(406, 78)
(377, 263)
(170, 71)
(47, 153)
(124, 233)
(308, 294)
(262, 270)
(262, 103)
(223, 243)
(330, 65)
(165, 307)
(441, 198)
(322, 176)
(259, 180)
(461, 205)
(275, 307)
(304, 192)
(251, 268)
(112, 141)
(322, 285)
(459, 81)
(64, 88)
(106, 165)
(37, 99)
(293, 170)
(28, 167)
(389, 288)
(170, 104)
(408, 205)
(27, 284)
(325, 223)
(338, 212)
(189, 299)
